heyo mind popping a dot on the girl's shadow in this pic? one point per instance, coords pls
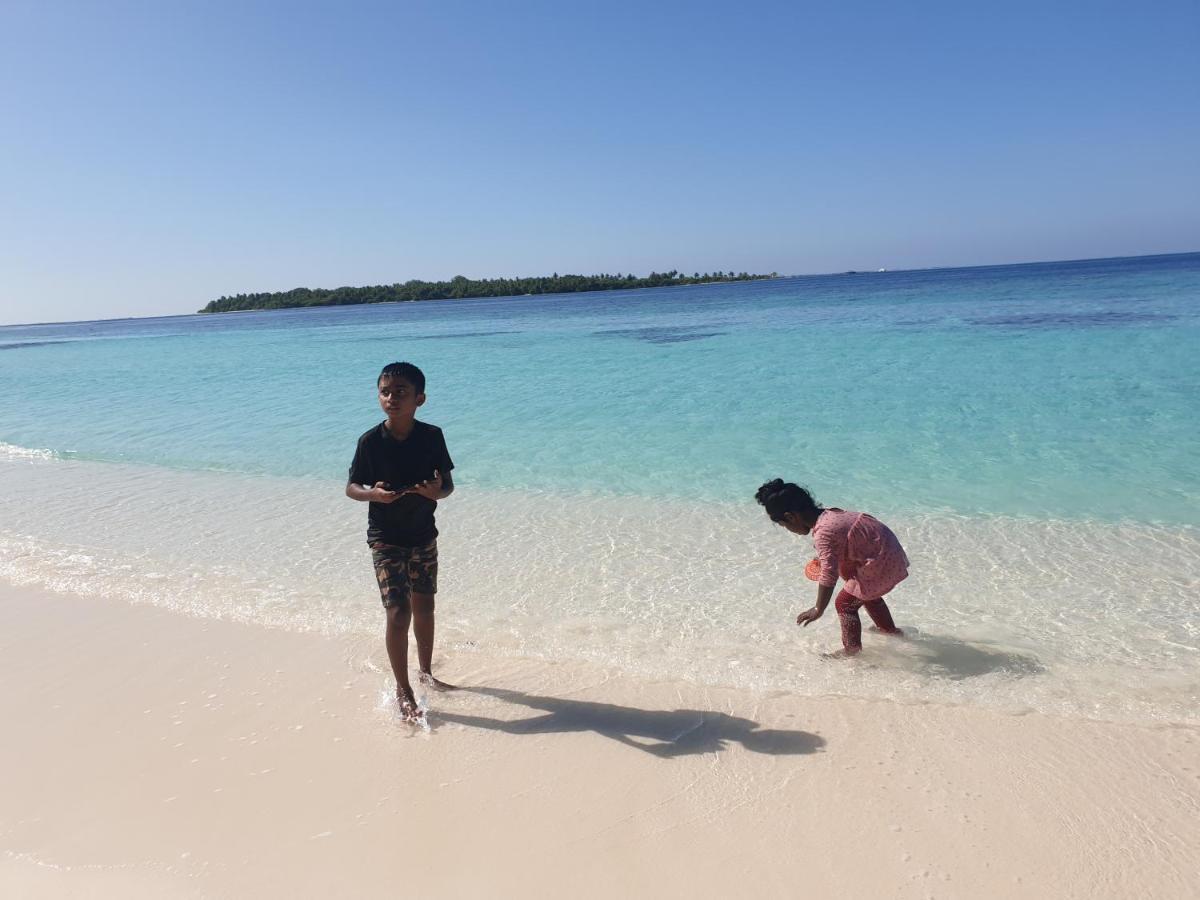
(957, 660)
(664, 733)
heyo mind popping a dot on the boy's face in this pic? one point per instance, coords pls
(398, 398)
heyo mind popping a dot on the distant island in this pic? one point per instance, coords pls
(460, 287)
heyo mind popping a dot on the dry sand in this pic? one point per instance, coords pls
(147, 754)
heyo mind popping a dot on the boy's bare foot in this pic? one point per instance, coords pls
(899, 632)
(427, 679)
(409, 711)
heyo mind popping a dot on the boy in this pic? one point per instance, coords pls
(402, 468)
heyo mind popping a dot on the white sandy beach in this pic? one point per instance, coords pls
(148, 754)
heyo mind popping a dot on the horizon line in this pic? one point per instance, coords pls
(883, 271)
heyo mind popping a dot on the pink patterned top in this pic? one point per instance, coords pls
(862, 550)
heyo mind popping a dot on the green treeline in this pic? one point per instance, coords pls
(460, 287)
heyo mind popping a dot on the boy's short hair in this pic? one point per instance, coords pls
(405, 370)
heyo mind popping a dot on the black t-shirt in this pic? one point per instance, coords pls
(408, 522)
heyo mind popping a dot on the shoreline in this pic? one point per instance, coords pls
(152, 753)
(674, 589)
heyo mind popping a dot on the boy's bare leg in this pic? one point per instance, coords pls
(396, 640)
(423, 630)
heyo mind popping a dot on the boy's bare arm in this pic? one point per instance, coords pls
(376, 494)
(436, 488)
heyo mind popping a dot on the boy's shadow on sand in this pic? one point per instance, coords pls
(663, 733)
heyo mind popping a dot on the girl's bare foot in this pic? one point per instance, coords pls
(841, 653)
(427, 679)
(899, 632)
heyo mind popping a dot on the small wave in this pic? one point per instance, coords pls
(12, 451)
(1072, 320)
(461, 334)
(22, 344)
(661, 335)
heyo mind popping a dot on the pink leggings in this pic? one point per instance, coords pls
(847, 609)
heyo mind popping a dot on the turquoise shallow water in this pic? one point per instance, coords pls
(1065, 390)
(1028, 431)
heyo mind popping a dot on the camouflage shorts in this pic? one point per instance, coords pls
(403, 571)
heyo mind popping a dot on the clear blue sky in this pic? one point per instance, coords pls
(157, 155)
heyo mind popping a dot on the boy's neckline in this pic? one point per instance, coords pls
(395, 437)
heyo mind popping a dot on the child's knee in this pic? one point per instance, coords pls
(422, 607)
(846, 604)
(398, 615)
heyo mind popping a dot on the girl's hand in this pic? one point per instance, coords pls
(381, 493)
(430, 489)
(809, 615)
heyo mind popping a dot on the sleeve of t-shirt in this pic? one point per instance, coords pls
(827, 552)
(442, 461)
(360, 468)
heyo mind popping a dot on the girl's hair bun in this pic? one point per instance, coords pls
(781, 497)
(767, 490)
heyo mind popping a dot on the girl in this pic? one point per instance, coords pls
(854, 545)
